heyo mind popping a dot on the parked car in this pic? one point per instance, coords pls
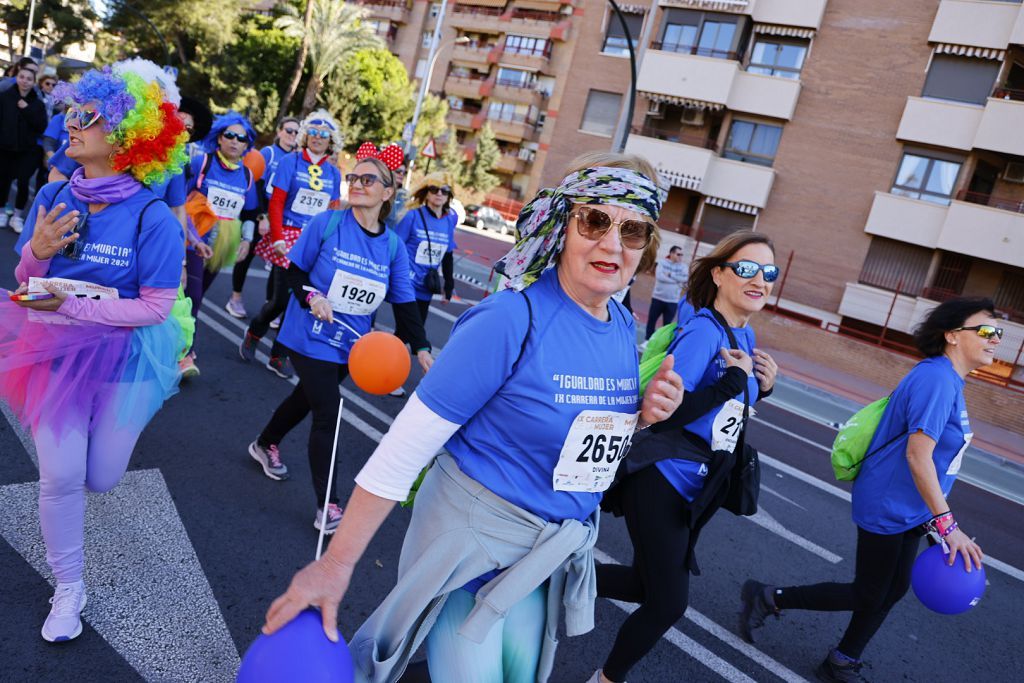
(487, 218)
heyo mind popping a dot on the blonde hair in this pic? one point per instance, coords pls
(631, 162)
(304, 126)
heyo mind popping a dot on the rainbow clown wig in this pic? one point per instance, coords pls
(138, 102)
(320, 117)
(220, 124)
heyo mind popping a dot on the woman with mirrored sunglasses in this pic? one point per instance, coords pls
(86, 374)
(901, 491)
(305, 184)
(505, 520)
(678, 475)
(428, 232)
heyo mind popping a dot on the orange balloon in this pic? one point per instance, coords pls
(256, 163)
(379, 363)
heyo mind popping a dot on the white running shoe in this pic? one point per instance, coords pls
(64, 621)
(17, 224)
(399, 392)
(4, 217)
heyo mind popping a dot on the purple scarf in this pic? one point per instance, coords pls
(108, 190)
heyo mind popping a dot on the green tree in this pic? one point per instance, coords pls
(478, 173)
(196, 29)
(432, 122)
(336, 30)
(56, 24)
(371, 97)
(453, 158)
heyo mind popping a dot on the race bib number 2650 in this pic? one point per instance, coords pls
(595, 445)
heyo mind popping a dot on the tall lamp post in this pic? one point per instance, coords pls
(28, 33)
(626, 116)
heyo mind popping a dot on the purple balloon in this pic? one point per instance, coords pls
(945, 589)
(298, 652)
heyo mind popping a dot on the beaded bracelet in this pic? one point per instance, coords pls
(312, 295)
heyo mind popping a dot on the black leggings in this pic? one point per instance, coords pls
(658, 580)
(242, 267)
(884, 562)
(18, 166)
(277, 301)
(317, 391)
(424, 306)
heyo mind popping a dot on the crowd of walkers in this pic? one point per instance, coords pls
(512, 455)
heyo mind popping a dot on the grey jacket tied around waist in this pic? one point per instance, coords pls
(459, 531)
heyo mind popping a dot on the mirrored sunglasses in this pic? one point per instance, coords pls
(593, 223)
(241, 137)
(748, 269)
(81, 118)
(317, 133)
(984, 331)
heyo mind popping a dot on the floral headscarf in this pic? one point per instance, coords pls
(540, 229)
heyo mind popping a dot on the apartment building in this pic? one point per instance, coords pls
(879, 143)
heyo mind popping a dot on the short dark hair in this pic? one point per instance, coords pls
(674, 248)
(287, 119)
(930, 335)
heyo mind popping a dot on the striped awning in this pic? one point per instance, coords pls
(685, 102)
(970, 51)
(722, 5)
(731, 205)
(679, 179)
(787, 31)
(633, 9)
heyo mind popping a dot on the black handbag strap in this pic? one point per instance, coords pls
(741, 442)
(426, 231)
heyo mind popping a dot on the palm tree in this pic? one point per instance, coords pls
(331, 30)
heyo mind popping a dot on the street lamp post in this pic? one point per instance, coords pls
(626, 116)
(28, 33)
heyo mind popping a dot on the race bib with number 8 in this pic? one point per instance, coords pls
(429, 254)
(224, 203)
(354, 294)
(310, 202)
(595, 445)
(725, 431)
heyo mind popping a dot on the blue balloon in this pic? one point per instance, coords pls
(945, 589)
(298, 652)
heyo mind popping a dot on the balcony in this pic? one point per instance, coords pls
(803, 13)
(695, 167)
(478, 19)
(395, 10)
(538, 23)
(674, 134)
(1013, 204)
(510, 163)
(533, 60)
(513, 129)
(512, 91)
(975, 23)
(463, 86)
(464, 118)
(908, 220)
(1001, 128)
(469, 54)
(717, 81)
(995, 127)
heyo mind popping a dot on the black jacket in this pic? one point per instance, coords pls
(20, 127)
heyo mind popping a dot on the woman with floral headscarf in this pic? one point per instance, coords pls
(87, 350)
(505, 520)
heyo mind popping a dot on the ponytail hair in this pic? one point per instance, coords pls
(389, 180)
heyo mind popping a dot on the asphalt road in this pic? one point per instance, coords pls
(186, 554)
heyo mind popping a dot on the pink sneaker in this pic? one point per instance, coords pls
(333, 519)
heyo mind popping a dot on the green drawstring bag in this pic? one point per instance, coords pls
(182, 312)
(850, 448)
(654, 353)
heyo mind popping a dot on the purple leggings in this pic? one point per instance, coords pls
(197, 280)
(92, 452)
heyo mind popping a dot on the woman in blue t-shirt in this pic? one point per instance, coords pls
(344, 265)
(428, 232)
(900, 493)
(504, 522)
(678, 477)
(305, 185)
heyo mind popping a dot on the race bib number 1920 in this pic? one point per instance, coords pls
(595, 445)
(354, 294)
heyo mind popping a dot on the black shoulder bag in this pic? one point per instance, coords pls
(432, 280)
(745, 479)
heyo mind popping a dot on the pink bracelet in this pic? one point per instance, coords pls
(311, 295)
(943, 524)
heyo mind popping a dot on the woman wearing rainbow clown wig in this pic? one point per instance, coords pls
(86, 371)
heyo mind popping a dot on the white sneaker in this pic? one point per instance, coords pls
(399, 392)
(596, 678)
(17, 224)
(4, 217)
(64, 621)
(275, 324)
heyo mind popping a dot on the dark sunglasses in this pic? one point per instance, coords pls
(241, 137)
(290, 131)
(593, 224)
(74, 249)
(316, 133)
(366, 180)
(984, 331)
(748, 269)
(434, 189)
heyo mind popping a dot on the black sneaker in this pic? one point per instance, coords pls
(757, 604)
(281, 366)
(248, 348)
(837, 670)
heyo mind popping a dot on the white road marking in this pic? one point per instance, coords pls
(779, 495)
(765, 520)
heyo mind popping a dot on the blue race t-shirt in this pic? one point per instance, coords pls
(62, 162)
(171, 190)
(697, 350)
(229, 191)
(357, 271)
(272, 155)
(930, 399)
(55, 129)
(514, 424)
(118, 251)
(306, 197)
(424, 255)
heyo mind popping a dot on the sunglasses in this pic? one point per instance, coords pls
(81, 118)
(291, 131)
(316, 133)
(241, 137)
(749, 269)
(434, 189)
(74, 249)
(984, 331)
(366, 180)
(593, 224)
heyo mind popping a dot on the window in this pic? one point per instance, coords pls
(679, 38)
(896, 266)
(921, 177)
(421, 68)
(506, 111)
(1009, 295)
(601, 113)
(527, 45)
(515, 78)
(716, 38)
(615, 39)
(435, 9)
(716, 223)
(773, 58)
(962, 79)
(709, 34)
(755, 143)
(427, 39)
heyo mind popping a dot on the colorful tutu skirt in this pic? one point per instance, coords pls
(51, 367)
